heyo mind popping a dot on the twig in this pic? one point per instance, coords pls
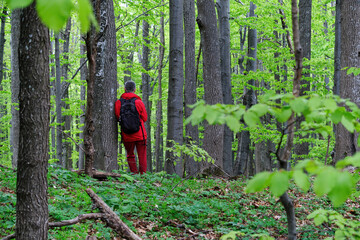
(71, 139)
(76, 220)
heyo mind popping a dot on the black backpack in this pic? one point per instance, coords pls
(129, 117)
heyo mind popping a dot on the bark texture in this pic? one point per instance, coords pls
(15, 85)
(346, 142)
(225, 65)
(213, 134)
(105, 90)
(176, 81)
(31, 188)
(192, 132)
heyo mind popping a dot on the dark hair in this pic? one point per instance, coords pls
(130, 86)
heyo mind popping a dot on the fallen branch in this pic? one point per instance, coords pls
(76, 220)
(99, 175)
(111, 218)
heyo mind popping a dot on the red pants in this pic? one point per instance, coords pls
(141, 150)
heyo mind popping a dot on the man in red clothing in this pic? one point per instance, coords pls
(137, 139)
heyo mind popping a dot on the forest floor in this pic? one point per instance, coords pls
(159, 206)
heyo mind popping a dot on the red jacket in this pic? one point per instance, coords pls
(138, 136)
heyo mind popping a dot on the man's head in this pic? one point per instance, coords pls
(130, 86)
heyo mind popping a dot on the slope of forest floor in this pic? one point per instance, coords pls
(159, 206)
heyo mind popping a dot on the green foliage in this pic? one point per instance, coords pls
(190, 149)
(54, 14)
(346, 229)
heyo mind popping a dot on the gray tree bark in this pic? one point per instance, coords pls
(67, 146)
(2, 42)
(146, 92)
(58, 92)
(159, 141)
(83, 76)
(213, 134)
(15, 85)
(225, 65)
(337, 50)
(346, 142)
(242, 161)
(105, 91)
(192, 132)
(302, 149)
(176, 82)
(31, 188)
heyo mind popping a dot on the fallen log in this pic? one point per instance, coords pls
(99, 175)
(111, 218)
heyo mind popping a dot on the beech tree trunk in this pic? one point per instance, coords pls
(15, 85)
(302, 149)
(159, 141)
(346, 142)
(243, 160)
(31, 187)
(192, 132)
(213, 134)
(176, 82)
(105, 90)
(225, 65)
(146, 91)
(2, 42)
(58, 92)
(67, 146)
(83, 76)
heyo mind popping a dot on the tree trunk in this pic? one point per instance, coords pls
(130, 58)
(192, 132)
(225, 65)
(67, 146)
(58, 102)
(213, 134)
(337, 50)
(15, 85)
(31, 188)
(176, 82)
(159, 150)
(83, 76)
(105, 90)
(146, 90)
(2, 42)
(249, 99)
(346, 142)
(302, 149)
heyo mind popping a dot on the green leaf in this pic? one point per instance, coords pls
(251, 119)
(233, 235)
(330, 104)
(337, 115)
(284, 114)
(302, 180)
(279, 183)
(258, 182)
(347, 124)
(54, 14)
(325, 181)
(233, 123)
(314, 102)
(260, 109)
(298, 105)
(211, 115)
(86, 15)
(342, 189)
(18, 3)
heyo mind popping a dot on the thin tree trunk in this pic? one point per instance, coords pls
(146, 90)
(83, 73)
(15, 85)
(192, 132)
(2, 42)
(58, 101)
(249, 99)
(67, 118)
(159, 150)
(31, 188)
